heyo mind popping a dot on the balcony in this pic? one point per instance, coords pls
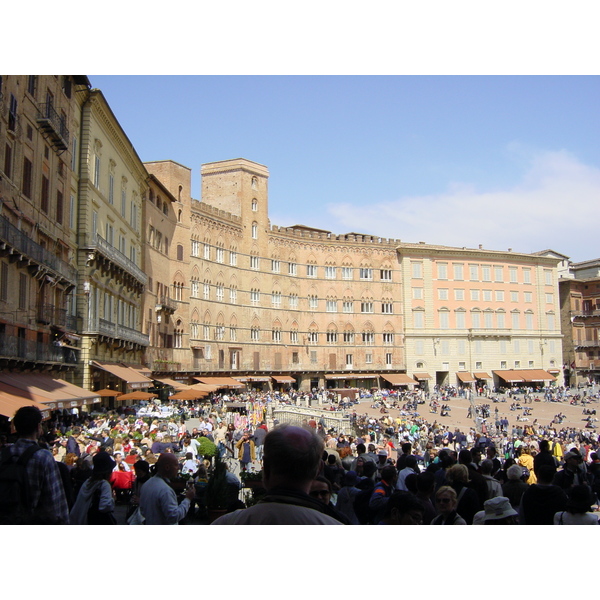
(587, 344)
(53, 126)
(52, 315)
(15, 348)
(18, 243)
(165, 304)
(585, 313)
(101, 246)
(117, 332)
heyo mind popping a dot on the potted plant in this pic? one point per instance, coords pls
(252, 479)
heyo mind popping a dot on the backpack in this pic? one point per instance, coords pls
(15, 504)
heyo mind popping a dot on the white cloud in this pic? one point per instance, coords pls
(555, 205)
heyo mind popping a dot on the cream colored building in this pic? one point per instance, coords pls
(112, 181)
(472, 314)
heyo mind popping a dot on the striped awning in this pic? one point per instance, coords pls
(399, 379)
(465, 377)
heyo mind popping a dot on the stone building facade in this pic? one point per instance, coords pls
(39, 149)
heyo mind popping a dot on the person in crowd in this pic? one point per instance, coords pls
(292, 460)
(158, 500)
(403, 508)
(578, 510)
(446, 501)
(515, 487)
(45, 500)
(542, 500)
(95, 503)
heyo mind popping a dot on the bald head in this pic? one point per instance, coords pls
(292, 457)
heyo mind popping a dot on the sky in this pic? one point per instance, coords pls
(502, 161)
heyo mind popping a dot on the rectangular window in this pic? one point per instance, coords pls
(417, 293)
(418, 319)
(528, 321)
(459, 294)
(206, 251)
(526, 275)
(348, 337)
(232, 295)
(220, 255)
(500, 320)
(419, 347)
(74, 155)
(195, 248)
(388, 339)
(96, 171)
(331, 306)
(111, 188)
(444, 319)
(487, 295)
(3, 282)
(72, 212)
(499, 296)
(442, 270)
(498, 274)
(12, 113)
(366, 307)
(293, 301)
(276, 335)
(514, 296)
(275, 266)
(207, 291)
(368, 337)
(488, 319)
(443, 294)
(458, 272)
(23, 290)
(515, 320)
(254, 263)
(386, 274)
(388, 359)
(366, 274)
(550, 321)
(27, 177)
(474, 272)
(255, 297)
(220, 293)
(475, 320)
(368, 358)
(294, 339)
(417, 270)
(59, 207)
(460, 320)
(194, 289)
(549, 298)
(45, 197)
(349, 361)
(475, 295)
(8, 160)
(512, 274)
(387, 308)
(276, 299)
(330, 272)
(347, 273)
(292, 268)
(528, 297)
(486, 273)
(348, 306)
(232, 258)
(311, 270)
(313, 302)
(548, 276)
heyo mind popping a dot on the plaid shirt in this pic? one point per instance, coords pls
(45, 485)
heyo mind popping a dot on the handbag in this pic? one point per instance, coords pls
(95, 517)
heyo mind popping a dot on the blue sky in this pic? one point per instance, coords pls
(503, 161)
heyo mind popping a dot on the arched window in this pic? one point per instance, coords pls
(254, 204)
(179, 252)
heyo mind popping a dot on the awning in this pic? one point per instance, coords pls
(252, 379)
(66, 394)
(204, 387)
(222, 382)
(284, 379)
(172, 382)
(348, 376)
(143, 371)
(525, 375)
(107, 393)
(129, 376)
(482, 375)
(531, 375)
(353, 376)
(399, 379)
(9, 404)
(554, 371)
(422, 376)
(137, 395)
(510, 376)
(189, 395)
(465, 377)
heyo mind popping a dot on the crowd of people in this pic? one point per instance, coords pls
(403, 470)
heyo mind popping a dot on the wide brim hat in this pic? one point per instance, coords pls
(498, 508)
